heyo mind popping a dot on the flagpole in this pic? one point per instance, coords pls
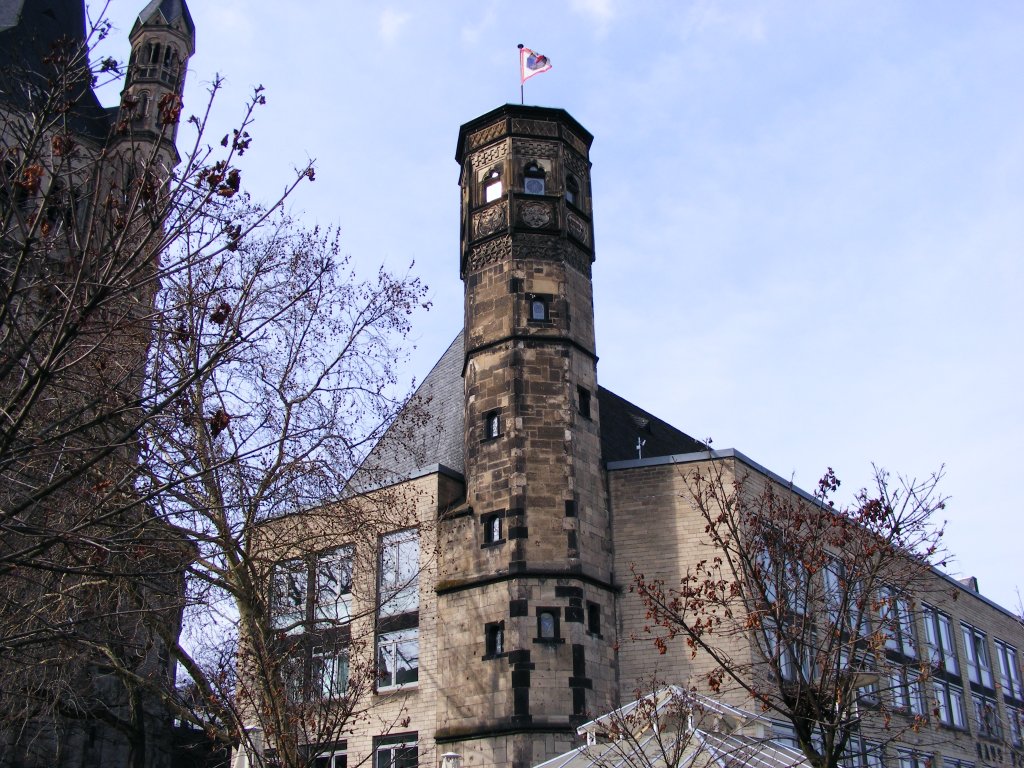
(522, 98)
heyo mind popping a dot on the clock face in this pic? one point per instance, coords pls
(534, 186)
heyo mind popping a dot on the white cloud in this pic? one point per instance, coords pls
(391, 24)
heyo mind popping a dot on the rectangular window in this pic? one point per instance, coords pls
(583, 399)
(938, 638)
(396, 751)
(334, 758)
(329, 672)
(398, 658)
(1009, 671)
(897, 622)
(949, 704)
(332, 600)
(910, 759)
(843, 599)
(494, 640)
(492, 425)
(986, 716)
(399, 573)
(979, 666)
(594, 619)
(548, 625)
(493, 528)
(398, 641)
(319, 584)
(289, 594)
(1015, 721)
(860, 753)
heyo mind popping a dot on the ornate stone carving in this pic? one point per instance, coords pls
(578, 228)
(537, 127)
(489, 156)
(536, 247)
(534, 148)
(490, 252)
(490, 220)
(576, 164)
(553, 249)
(574, 140)
(578, 259)
(536, 214)
(484, 135)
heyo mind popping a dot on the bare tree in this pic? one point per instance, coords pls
(251, 464)
(805, 607)
(177, 365)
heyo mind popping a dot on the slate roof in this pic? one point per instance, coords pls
(415, 445)
(28, 31)
(172, 10)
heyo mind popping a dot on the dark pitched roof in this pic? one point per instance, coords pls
(427, 433)
(29, 29)
(172, 11)
(623, 423)
(430, 432)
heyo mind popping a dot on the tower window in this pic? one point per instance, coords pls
(493, 187)
(492, 425)
(494, 640)
(594, 619)
(547, 626)
(538, 308)
(583, 401)
(143, 104)
(493, 528)
(572, 191)
(533, 181)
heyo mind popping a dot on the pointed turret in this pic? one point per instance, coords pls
(163, 39)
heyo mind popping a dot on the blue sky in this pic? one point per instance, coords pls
(809, 218)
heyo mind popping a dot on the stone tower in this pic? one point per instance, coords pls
(163, 39)
(526, 599)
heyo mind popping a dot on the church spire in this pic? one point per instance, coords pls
(163, 39)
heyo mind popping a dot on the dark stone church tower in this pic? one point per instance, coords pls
(526, 565)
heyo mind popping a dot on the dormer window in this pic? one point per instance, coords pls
(493, 187)
(533, 179)
(572, 191)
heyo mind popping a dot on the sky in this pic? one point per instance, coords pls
(809, 218)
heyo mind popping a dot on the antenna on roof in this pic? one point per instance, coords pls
(640, 448)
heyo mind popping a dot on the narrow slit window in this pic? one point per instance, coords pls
(494, 639)
(572, 191)
(492, 425)
(493, 528)
(583, 400)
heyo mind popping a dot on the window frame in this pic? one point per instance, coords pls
(391, 644)
(404, 742)
(556, 630)
(493, 525)
(584, 399)
(1009, 670)
(979, 661)
(940, 640)
(492, 426)
(492, 186)
(494, 640)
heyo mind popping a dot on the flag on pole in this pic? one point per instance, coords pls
(531, 63)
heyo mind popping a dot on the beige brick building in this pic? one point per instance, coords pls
(532, 506)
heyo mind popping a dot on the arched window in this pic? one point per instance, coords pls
(547, 625)
(533, 179)
(493, 188)
(143, 106)
(572, 191)
(538, 309)
(169, 69)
